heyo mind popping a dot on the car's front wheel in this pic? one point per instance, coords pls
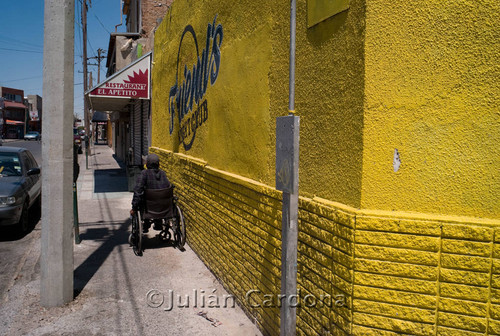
(24, 220)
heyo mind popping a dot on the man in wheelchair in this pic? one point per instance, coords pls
(151, 179)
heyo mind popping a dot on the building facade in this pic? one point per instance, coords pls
(14, 113)
(399, 211)
(128, 131)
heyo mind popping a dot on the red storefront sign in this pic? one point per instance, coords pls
(132, 82)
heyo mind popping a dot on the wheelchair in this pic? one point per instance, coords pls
(160, 208)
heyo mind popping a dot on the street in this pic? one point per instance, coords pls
(35, 147)
(14, 249)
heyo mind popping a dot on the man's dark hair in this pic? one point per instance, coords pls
(152, 161)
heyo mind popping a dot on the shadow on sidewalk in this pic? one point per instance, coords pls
(110, 180)
(110, 240)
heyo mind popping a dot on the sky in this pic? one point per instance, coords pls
(21, 43)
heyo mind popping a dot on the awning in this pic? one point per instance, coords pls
(132, 82)
(13, 122)
(10, 104)
(99, 116)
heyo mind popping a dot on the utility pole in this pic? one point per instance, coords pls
(56, 261)
(100, 56)
(99, 51)
(85, 75)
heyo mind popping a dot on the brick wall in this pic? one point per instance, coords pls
(151, 12)
(425, 277)
(384, 275)
(325, 266)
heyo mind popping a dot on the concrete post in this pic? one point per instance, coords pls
(287, 180)
(56, 261)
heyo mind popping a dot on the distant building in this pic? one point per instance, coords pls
(13, 113)
(35, 113)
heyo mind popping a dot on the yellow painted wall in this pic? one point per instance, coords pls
(329, 98)
(420, 276)
(432, 92)
(252, 90)
(235, 136)
(409, 252)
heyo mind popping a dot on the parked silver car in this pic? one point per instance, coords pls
(20, 186)
(32, 135)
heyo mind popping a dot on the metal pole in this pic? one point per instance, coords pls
(76, 173)
(84, 60)
(56, 261)
(75, 215)
(287, 180)
(289, 221)
(291, 81)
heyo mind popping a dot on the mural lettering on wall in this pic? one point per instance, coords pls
(187, 97)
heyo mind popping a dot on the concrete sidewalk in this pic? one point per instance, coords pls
(165, 292)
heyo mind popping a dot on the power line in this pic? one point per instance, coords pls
(17, 41)
(12, 44)
(98, 20)
(19, 50)
(20, 79)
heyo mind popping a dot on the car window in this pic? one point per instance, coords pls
(26, 162)
(32, 160)
(10, 165)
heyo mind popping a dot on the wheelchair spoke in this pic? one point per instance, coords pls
(180, 228)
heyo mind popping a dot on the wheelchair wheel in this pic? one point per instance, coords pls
(136, 236)
(180, 231)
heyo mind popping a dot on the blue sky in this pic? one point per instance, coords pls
(21, 43)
